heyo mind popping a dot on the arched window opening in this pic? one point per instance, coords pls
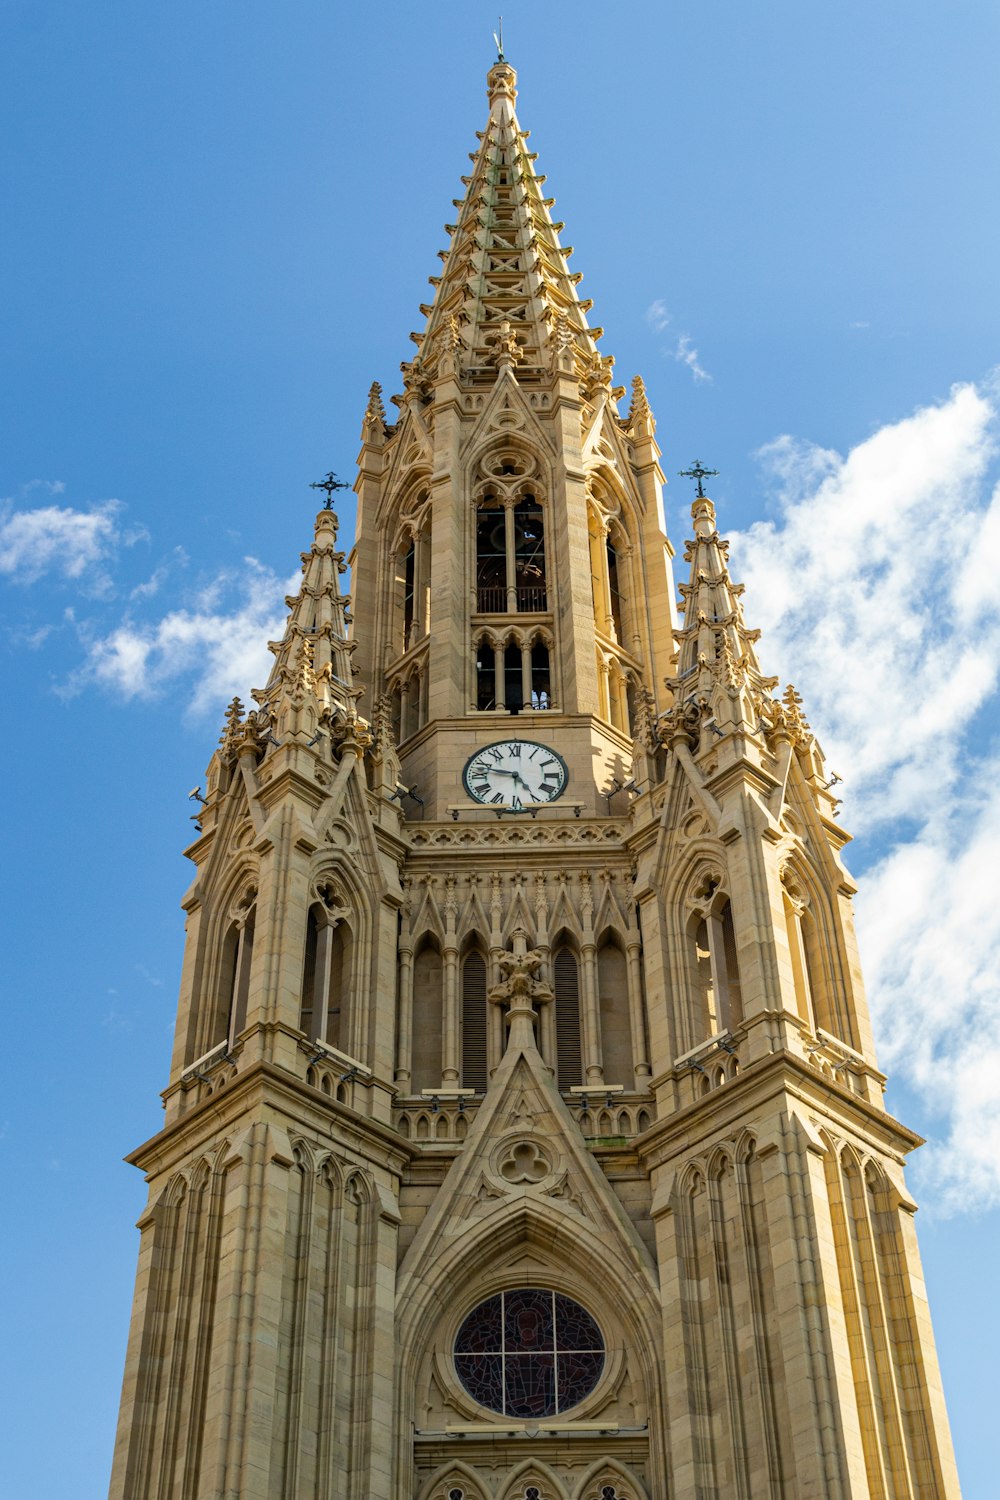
(396, 712)
(529, 555)
(326, 978)
(428, 984)
(486, 675)
(491, 559)
(541, 682)
(794, 908)
(408, 581)
(566, 987)
(735, 990)
(704, 988)
(715, 971)
(615, 596)
(616, 1032)
(474, 1023)
(510, 555)
(237, 956)
(513, 682)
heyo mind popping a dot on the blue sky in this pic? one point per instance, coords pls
(219, 223)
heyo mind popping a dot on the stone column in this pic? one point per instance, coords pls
(450, 1050)
(525, 675)
(404, 1054)
(637, 1020)
(500, 684)
(508, 525)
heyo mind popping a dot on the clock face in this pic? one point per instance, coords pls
(515, 774)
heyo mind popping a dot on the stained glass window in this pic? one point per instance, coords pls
(529, 1353)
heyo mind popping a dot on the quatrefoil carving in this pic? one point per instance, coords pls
(526, 1163)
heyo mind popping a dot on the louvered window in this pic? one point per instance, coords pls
(567, 1001)
(474, 1074)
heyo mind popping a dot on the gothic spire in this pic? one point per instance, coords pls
(312, 677)
(504, 293)
(717, 666)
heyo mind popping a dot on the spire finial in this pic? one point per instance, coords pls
(498, 38)
(696, 471)
(330, 483)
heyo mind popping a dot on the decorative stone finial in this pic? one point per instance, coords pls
(232, 727)
(374, 419)
(501, 83)
(639, 410)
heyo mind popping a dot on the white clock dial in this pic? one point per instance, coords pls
(515, 774)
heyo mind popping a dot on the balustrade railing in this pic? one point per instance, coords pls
(531, 598)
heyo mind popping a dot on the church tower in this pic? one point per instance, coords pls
(524, 1138)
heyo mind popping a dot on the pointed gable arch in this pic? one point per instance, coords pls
(533, 1480)
(608, 1479)
(454, 1481)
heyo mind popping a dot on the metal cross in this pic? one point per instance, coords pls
(330, 483)
(697, 472)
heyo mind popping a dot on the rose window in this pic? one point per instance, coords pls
(529, 1353)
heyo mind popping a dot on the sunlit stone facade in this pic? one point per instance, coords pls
(524, 1138)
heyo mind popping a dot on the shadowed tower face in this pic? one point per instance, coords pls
(524, 1138)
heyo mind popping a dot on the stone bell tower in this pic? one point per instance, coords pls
(524, 1138)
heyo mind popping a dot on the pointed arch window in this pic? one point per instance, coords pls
(714, 966)
(566, 987)
(474, 1022)
(326, 977)
(616, 598)
(234, 977)
(428, 1016)
(510, 556)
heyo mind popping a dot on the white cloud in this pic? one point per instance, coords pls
(876, 589)
(930, 929)
(686, 354)
(875, 592)
(658, 316)
(683, 351)
(56, 539)
(220, 647)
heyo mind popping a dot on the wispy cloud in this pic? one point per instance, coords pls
(682, 348)
(58, 539)
(215, 647)
(876, 590)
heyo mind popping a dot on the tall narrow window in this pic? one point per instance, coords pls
(235, 977)
(566, 984)
(486, 675)
(326, 978)
(491, 560)
(513, 681)
(541, 682)
(529, 554)
(474, 1020)
(510, 557)
(428, 985)
(408, 578)
(614, 589)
